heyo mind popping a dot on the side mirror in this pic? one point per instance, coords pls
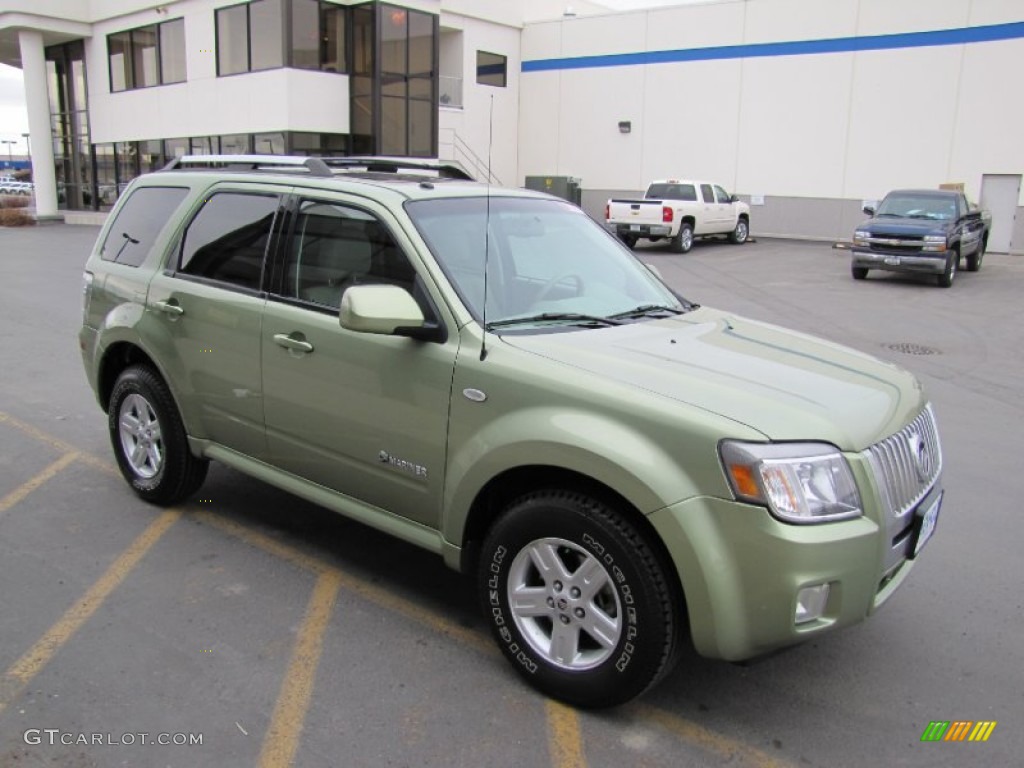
(869, 210)
(382, 309)
(734, 198)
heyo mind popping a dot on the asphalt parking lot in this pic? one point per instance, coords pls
(279, 634)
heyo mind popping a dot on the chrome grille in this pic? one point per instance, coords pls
(906, 466)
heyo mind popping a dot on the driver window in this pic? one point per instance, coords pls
(722, 195)
(335, 246)
(706, 193)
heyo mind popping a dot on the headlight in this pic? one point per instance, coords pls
(860, 237)
(934, 243)
(798, 482)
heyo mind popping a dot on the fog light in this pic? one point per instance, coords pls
(810, 603)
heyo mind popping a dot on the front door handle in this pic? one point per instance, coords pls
(171, 309)
(290, 342)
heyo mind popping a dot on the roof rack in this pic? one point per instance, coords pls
(397, 165)
(314, 165)
(319, 166)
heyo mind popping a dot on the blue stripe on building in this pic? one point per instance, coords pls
(960, 36)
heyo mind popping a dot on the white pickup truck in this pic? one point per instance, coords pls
(679, 211)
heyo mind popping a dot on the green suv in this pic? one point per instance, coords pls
(489, 374)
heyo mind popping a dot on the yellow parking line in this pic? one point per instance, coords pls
(735, 752)
(37, 657)
(30, 485)
(35, 432)
(565, 741)
(282, 738)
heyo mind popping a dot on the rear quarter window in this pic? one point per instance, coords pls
(139, 222)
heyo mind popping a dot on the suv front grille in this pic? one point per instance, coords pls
(906, 466)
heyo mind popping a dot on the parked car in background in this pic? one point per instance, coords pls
(17, 188)
(924, 231)
(679, 211)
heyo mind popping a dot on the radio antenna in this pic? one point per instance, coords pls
(487, 229)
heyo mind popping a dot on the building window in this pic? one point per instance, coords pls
(249, 37)
(491, 69)
(318, 36)
(147, 56)
(408, 64)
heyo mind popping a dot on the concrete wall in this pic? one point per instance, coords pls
(814, 133)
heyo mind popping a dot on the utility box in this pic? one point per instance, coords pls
(565, 187)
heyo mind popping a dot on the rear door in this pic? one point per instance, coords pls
(208, 304)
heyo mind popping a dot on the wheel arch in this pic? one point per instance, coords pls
(116, 358)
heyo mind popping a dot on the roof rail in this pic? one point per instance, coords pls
(398, 164)
(314, 165)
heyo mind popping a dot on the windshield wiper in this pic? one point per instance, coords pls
(890, 215)
(572, 317)
(646, 309)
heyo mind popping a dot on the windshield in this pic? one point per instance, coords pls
(545, 257)
(911, 206)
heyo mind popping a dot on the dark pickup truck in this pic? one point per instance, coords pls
(924, 231)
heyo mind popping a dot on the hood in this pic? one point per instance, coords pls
(887, 225)
(785, 385)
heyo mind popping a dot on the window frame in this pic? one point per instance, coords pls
(284, 41)
(504, 68)
(130, 76)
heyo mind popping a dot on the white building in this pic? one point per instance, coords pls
(806, 108)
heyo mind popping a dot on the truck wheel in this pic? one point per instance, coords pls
(629, 240)
(683, 241)
(859, 273)
(947, 277)
(975, 259)
(577, 600)
(739, 235)
(149, 439)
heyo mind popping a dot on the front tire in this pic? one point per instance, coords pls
(577, 600)
(859, 273)
(975, 259)
(149, 439)
(740, 234)
(952, 263)
(683, 241)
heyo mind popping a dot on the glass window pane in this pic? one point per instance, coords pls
(393, 126)
(362, 41)
(127, 155)
(332, 39)
(421, 128)
(235, 144)
(268, 143)
(144, 57)
(421, 88)
(175, 148)
(491, 69)
(305, 53)
(421, 43)
(394, 33)
(119, 52)
(232, 40)
(138, 223)
(265, 32)
(151, 156)
(200, 145)
(228, 238)
(172, 51)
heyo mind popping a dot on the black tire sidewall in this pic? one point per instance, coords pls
(167, 484)
(646, 642)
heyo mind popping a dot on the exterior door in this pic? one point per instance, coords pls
(1000, 194)
(363, 414)
(210, 304)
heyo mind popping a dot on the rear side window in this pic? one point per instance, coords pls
(227, 240)
(706, 193)
(139, 222)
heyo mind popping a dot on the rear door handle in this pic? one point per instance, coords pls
(289, 342)
(171, 309)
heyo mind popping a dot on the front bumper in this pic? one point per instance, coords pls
(741, 570)
(931, 264)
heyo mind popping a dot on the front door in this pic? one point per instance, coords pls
(999, 194)
(363, 414)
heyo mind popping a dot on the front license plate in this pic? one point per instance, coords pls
(926, 525)
(892, 261)
(634, 227)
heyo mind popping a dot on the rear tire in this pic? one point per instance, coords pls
(629, 241)
(149, 439)
(577, 600)
(952, 263)
(683, 241)
(859, 273)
